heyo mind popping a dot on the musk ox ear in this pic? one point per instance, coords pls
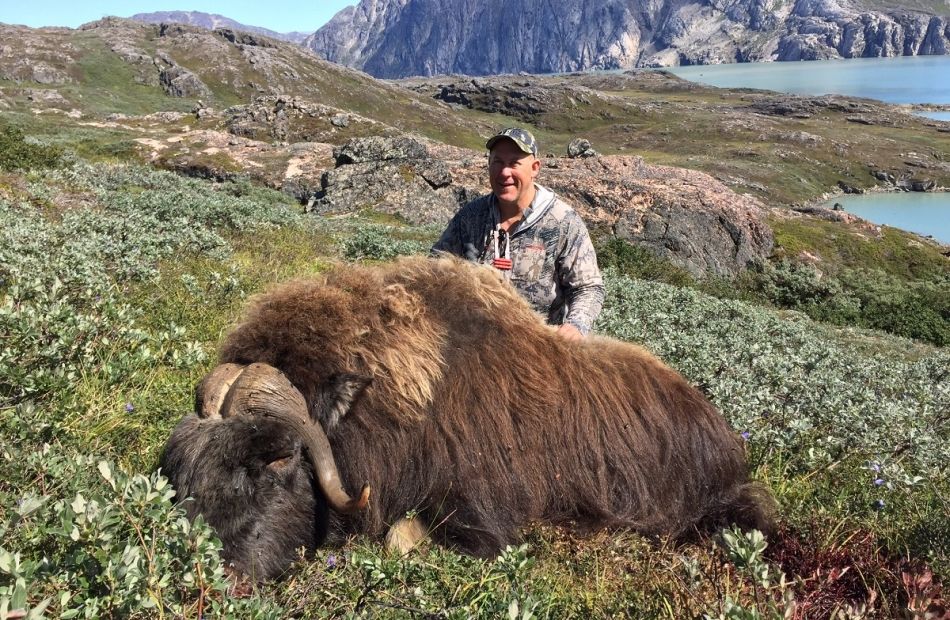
(339, 395)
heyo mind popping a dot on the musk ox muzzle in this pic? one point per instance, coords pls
(435, 382)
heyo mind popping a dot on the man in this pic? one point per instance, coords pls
(536, 239)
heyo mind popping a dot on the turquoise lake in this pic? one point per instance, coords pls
(922, 213)
(908, 79)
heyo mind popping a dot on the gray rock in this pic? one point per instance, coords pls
(340, 120)
(288, 119)
(579, 147)
(391, 175)
(377, 148)
(177, 81)
(242, 38)
(847, 188)
(916, 185)
(883, 175)
(702, 241)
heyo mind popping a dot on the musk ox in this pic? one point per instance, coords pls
(432, 391)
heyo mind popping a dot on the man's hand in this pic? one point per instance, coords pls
(569, 332)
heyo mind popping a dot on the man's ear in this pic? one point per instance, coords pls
(338, 397)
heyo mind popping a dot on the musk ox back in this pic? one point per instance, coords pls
(435, 384)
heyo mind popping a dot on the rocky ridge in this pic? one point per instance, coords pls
(400, 38)
(213, 21)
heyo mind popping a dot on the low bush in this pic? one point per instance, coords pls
(918, 309)
(17, 152)
(871, 298)
(636, 261)
(379, 242)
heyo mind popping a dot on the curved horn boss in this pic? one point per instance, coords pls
(263, 391)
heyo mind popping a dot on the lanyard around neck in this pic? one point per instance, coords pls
(501, 260)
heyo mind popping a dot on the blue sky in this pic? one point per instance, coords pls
(277, 15)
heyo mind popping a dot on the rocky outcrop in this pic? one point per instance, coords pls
(177, 81)
(212, 21)
(391, 175)
(579, 147)
(684, 216)
(28, 55)
(289, 119)
(399, 38)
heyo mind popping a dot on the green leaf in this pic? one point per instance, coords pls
(106, 472)
(37, 612)
(7, 561)
(29, 505)
(18, 600)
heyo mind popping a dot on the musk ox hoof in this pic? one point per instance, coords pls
(405, 535)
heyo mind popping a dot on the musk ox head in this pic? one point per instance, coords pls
(257, 465)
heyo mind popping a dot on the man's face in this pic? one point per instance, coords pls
(511, 172)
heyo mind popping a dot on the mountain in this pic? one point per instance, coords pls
(210, 21)
(400, 38)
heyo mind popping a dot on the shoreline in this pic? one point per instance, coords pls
(876, 189)
(821, 204)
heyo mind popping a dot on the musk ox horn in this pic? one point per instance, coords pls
(213, 390)
(260, 390)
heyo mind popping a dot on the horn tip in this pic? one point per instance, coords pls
(363, 501)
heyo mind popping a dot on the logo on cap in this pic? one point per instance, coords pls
(521, 137)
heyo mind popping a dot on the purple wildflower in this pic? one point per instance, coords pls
(746, 435)
(875, 466)
(331, 562)
(129, 408)
(878, 482)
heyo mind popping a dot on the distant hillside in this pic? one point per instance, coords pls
(212, 21)
(399, 38)
(119, 65)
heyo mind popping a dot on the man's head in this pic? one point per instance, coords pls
(513, 165)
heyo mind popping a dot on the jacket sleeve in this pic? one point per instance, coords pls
(451, 239)
(580, 278)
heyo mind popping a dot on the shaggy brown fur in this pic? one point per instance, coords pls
(480, 419)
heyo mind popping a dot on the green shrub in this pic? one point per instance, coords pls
(18, 153)
(636, 261)
(917, 309)
(110, 545)
(62, 307)
(379, 242)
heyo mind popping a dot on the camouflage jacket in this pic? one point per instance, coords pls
(554, 264)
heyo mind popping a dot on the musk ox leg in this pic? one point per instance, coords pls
(405, 534)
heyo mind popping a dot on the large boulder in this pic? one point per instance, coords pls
(682, 215)
(391, 175)
(177, 81)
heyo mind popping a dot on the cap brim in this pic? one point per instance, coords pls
(521, 145)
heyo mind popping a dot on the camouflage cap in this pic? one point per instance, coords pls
(521, 137)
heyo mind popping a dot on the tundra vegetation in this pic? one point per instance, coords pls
(117, 282)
